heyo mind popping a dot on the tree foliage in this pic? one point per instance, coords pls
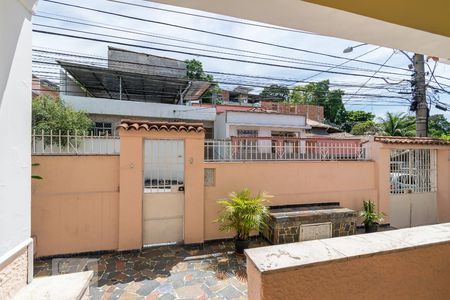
(275, 92)
(319, 93)
(354, 117)
(397, 124)
(439, 126)
(195, 70)
(363, 128)
(51, 114)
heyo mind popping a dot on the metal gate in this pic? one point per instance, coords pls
(412, 187)
(163, 201)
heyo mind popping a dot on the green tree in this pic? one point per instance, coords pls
(439, 126)
(319, 93)
(195, 70)
(397, 124)
(363, 128)
(275, 92)
(353, 117)
(51, 114)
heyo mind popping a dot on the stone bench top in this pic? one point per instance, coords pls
(307, 213)
(283, 257)
(59, 287)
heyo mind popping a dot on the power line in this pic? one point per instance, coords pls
(214, 33)
(290, 59)
(190, 53)
(210, 72)
(375, 73)
(211, 51)
(345, 62)
(106, 60)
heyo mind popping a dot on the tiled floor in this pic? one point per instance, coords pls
(167, 272)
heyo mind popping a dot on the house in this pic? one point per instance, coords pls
(44, 87)
(134, 86)
(312, 112)
(258, 123)
(321, 129)
(240, 94)
(313, 121)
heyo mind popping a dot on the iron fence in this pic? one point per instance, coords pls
(413, 171)
(286, 149)
(57, 142)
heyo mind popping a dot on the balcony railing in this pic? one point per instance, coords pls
(255, 149)
(53, 143)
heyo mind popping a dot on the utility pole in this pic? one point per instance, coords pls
(419, 104)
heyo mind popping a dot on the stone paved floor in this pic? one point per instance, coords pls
(166, 272)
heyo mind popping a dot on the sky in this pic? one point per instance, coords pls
(313, 42)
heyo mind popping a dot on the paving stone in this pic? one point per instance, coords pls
(148, 286)
(161, 272)
(192, 291)
(230, 292)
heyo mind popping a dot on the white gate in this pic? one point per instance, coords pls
(413, 187)
(163, 201)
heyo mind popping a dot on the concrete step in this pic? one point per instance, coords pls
(74, 286)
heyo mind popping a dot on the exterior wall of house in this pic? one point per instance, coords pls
(102, 106)
(115, 120)
(227, 123)
(312, 112)
(221, 127)
(15, 162)
(291, 182)
(265, 119)
(41, 88)
(75, 207)
(143, 63)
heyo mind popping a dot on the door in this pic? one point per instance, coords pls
(163, 200)
(413, 199)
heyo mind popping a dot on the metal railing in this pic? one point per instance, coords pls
(413, 171)
(284, 149)
(57, 142)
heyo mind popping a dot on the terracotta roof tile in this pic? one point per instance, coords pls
(410, 140)
(161, 126)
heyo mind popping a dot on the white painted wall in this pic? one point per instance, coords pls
(15, 122)
(104, 106)
(265, 119)
(227, 124)
(220, 127)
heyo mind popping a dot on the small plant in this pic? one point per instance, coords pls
(370, 216)
(243, 213)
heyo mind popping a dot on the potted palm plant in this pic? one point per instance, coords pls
(371, 218)
(242, 213)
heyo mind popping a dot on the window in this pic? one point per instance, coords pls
(102, 128)
(247, 133)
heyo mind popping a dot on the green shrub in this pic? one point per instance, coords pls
(243, 213)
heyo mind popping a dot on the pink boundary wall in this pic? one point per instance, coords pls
(79, 207)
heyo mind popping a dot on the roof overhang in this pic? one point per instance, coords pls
(420, 27)
(102, 82)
